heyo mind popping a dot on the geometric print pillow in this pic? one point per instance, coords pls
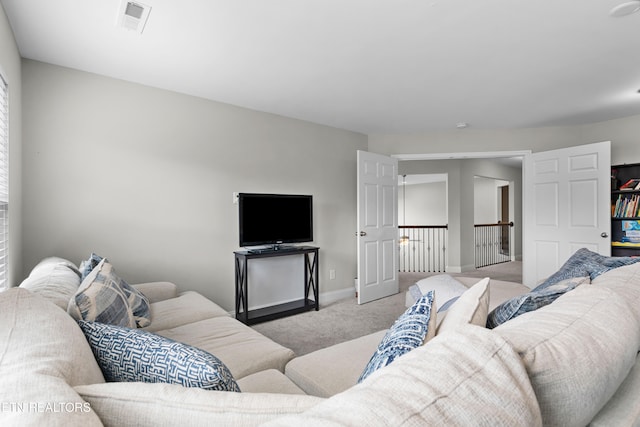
(106, 298)
(134, 355)
(412, 329)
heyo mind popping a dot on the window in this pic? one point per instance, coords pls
(4, 182)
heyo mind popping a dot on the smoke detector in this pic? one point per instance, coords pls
(133, 16)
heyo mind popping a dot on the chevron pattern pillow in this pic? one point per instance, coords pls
(412, 329)
(133, 355)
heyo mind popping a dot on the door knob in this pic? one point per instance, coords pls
(362, 233)
(604, 235)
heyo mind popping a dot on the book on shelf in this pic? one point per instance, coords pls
(632, 184)
(626, 207)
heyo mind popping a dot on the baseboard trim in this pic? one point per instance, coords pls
(468, 267)
(333, 296)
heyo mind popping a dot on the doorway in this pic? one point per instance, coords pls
(460, 221)
(504, 219)
(493, 213)
(422, 219)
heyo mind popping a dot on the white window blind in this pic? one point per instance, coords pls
(4, 182)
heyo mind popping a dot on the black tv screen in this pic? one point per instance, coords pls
(275, 218)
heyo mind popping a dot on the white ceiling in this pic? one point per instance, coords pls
(373, 66)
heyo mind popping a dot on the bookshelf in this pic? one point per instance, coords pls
(625, 210)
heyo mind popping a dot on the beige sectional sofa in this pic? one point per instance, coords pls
(573, 362)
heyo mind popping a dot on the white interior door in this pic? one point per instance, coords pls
(566, 207)
(377, 226)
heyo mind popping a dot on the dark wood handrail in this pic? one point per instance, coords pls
(500, 224)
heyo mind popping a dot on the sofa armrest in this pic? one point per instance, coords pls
(153, 404)
(157, 291)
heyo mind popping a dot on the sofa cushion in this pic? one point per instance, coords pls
(622, 409)
(470, 308)
(469, 377)
(624, 281)
(412, 329)
(268, 381)
(55, 279)
(151, 405)
(106, 298)
(45, 265)
(242, 349)
(43, 354)
(533, 300)
(500, 290)
(157, 291)
(333, 369)
(584, 262)
(132, 355)
(577, 352)
(188, 307)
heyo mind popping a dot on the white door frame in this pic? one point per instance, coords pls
(469, 155)
(462, 155)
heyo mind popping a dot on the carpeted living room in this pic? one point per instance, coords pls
(386, 138)
(344, 319)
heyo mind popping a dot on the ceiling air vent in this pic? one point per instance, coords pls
(133, 16)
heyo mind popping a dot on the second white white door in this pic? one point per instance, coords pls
(566, 207)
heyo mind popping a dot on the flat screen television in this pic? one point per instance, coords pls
(274, 219)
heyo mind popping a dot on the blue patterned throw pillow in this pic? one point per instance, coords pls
(88, 265)
(410, 331)
(586, 263)
(133, 355)
(531, 301)
(106, 298)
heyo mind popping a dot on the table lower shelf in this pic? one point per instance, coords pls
(277, 311)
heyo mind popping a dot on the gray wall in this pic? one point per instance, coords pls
(145, 177)
(10, 68)
(486, 203)
(426, 204)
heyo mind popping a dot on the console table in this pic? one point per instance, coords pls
(311, 285)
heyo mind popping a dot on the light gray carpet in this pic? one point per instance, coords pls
(344, 320)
